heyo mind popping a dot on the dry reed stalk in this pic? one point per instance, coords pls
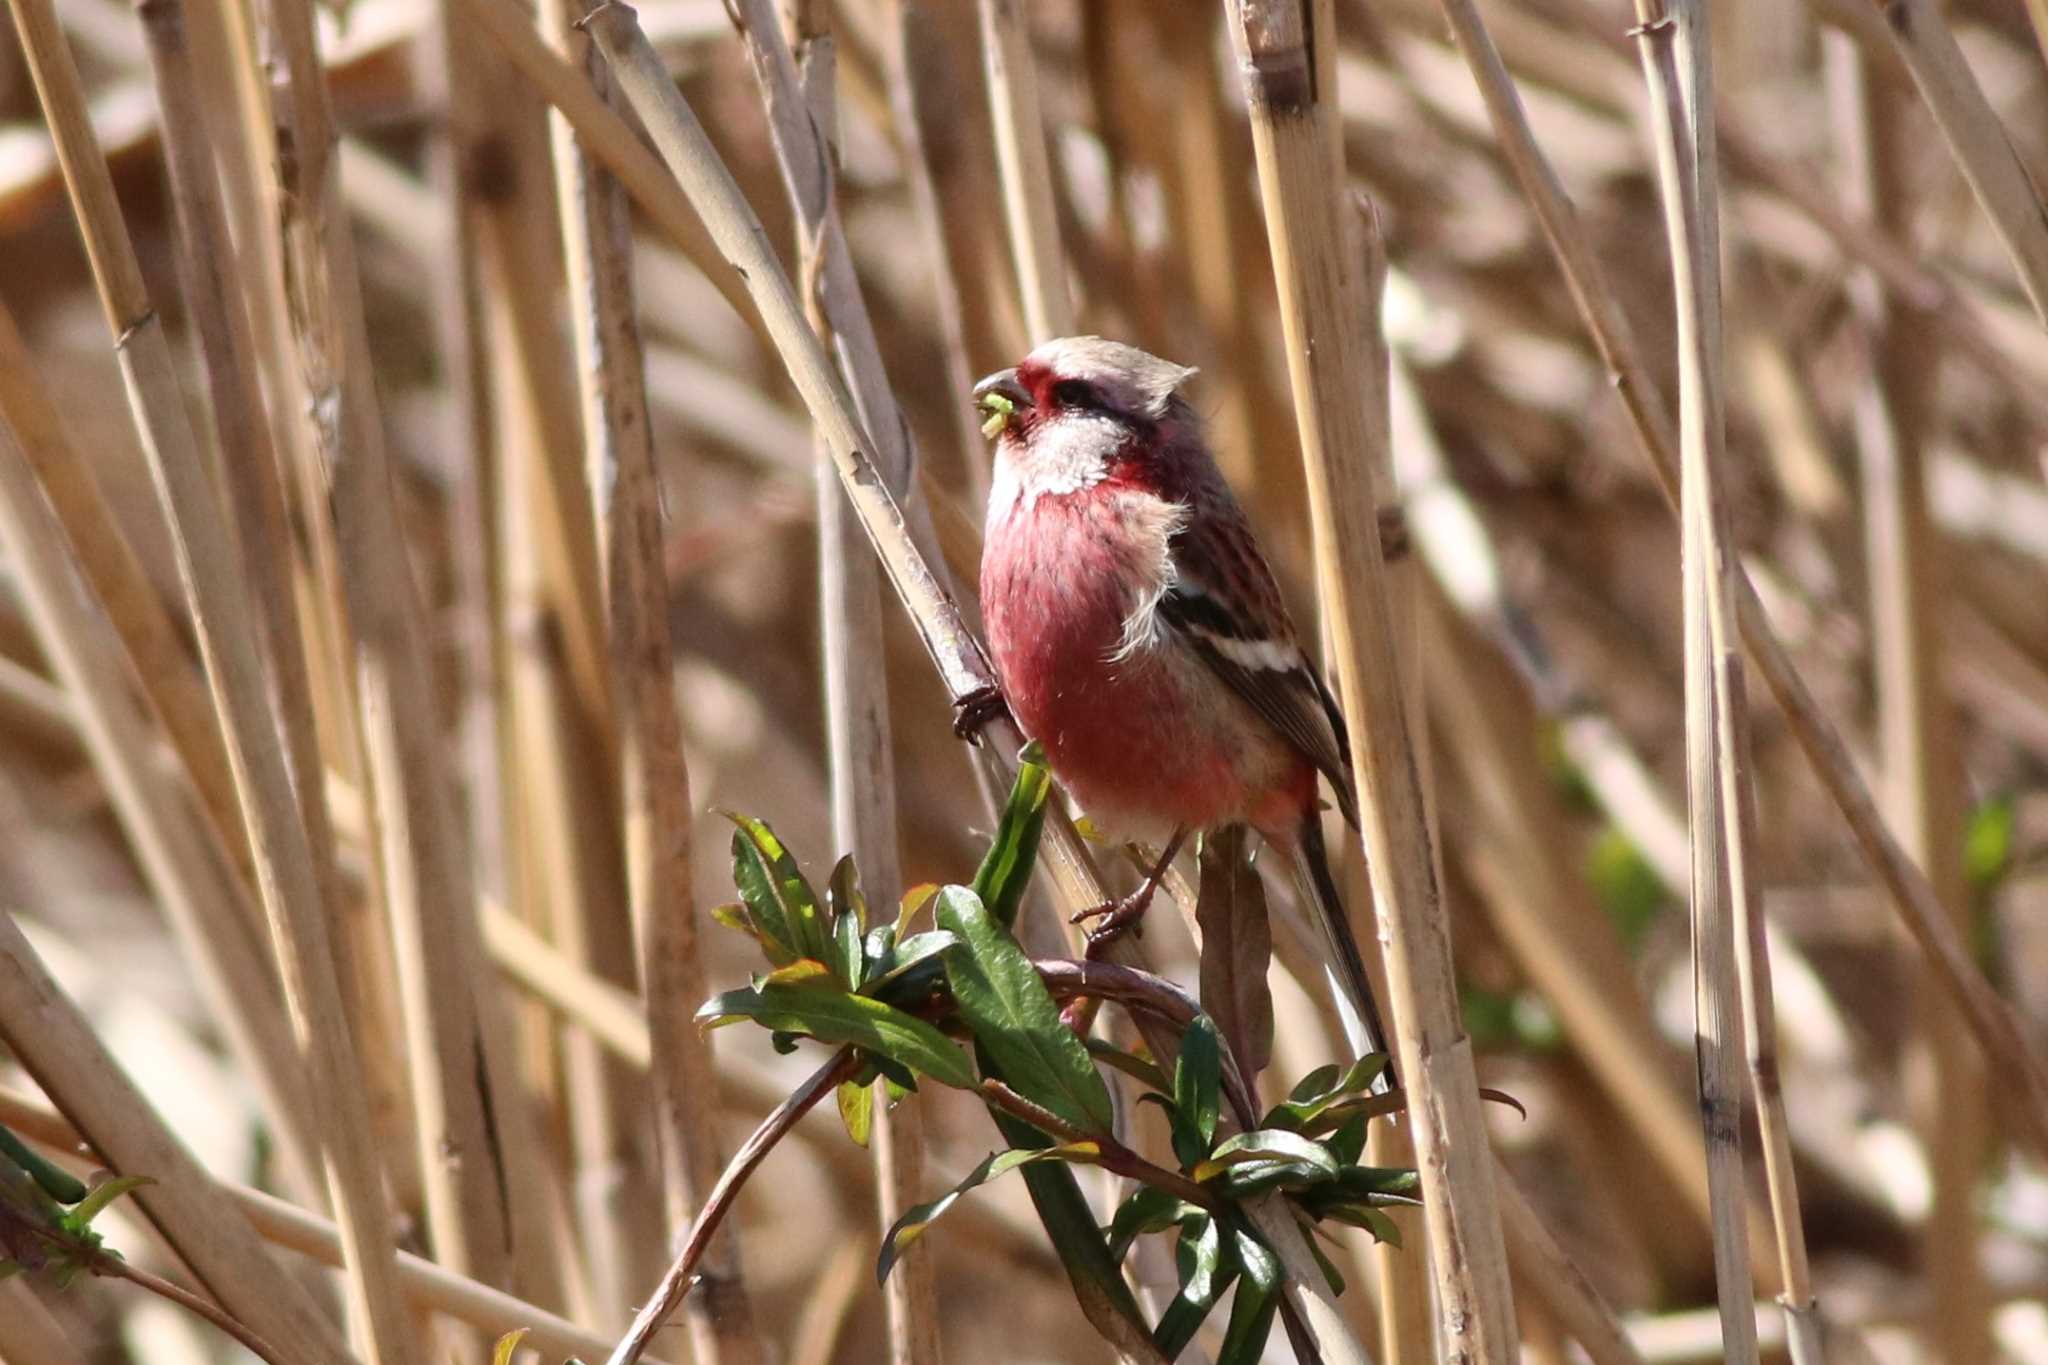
(214, 575)
(426, 1284)
(1904, 562)
(860, 755)
(29, 1333)
(1406, 1332)
(54, 1042)
(466, 1144)
(208, 907)
(1676, 68)
(654, 785)
(1322, 313)
(1549, 1275)
(163, 666)
(607, 137)
(1759, 1025)
(902, 44)
(1976, 139)
(1025, 170)
(1990, 1018)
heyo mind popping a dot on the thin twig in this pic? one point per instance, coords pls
(683, 1274)
(1112, 1154)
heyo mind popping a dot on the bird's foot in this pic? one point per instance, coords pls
(1113, 920)
(976, 709)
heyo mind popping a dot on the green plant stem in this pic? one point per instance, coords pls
(102, 1262)
(1115, 1156)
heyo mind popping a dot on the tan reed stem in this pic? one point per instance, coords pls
(214, 575)
(1025, 169)
(54, 1041)
(1322, 310)
(1674, 41)
(1991, 1020)
(1908, 578)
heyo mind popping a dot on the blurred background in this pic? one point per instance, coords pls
(1888, 470)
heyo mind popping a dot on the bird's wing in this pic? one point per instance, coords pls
(1224, 603)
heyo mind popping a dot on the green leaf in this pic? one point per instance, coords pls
(1625, 884)
(836, 1017)
(733, 915)
(875, 950)
(1140, 1069)
(774, 888)
(914, 900)
(1317, 1082)
(805, 971)
(1197, 1090)
(857, 1109)
(1014, 1017)
(103, 1194)
(55, 1181)
(1323, 1089)
(1204, 1274)
(914, 1221)
(1988, 842)
(849, 918)
(1267, 1144)
(1148, 1209)
(501, 1354)
(1005, 872)
(913, 969)
(1258, 1298)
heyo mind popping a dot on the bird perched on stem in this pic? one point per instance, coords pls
(1138, 634)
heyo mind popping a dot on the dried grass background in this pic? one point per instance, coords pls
(1886, 474)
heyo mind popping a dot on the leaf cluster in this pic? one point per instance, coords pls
(900, 999)
(46, 1215)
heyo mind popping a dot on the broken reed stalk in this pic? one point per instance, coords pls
(1676, 68)
(654, 780)
(214, 574)
(212, 912)
(1990, 1018)
(54, 1041)
(1977, 140)
(1904, 562)
(860, 754)
(427, 1285)
(1025, 169)
(1321, 312)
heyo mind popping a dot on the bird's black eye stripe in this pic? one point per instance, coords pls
(1075, 393)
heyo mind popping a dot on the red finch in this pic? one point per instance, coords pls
(1138, 634)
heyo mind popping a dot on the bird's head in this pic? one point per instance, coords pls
(1077, 404)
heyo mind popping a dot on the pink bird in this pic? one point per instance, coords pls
(1138, 634)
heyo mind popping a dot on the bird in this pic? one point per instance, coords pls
(1138, 635)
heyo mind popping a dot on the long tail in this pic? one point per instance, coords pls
(1356, 1008)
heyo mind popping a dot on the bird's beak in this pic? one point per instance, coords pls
(998, 396)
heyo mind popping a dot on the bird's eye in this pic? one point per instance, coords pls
(1075, 393)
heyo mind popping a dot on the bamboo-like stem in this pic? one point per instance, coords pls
(426, 1284)
(1674, 41)
(1906, 571)
(1025, 170)
(214, 575)
(210, 910)
(654, 783)
(860, 755)
(1549, 1273)
(1991, 1020)
(1976, 139)
(52, 1039)
(455, 1049)
(1321, 313)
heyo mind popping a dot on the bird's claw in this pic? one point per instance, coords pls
(976, 709)
(1113, 920)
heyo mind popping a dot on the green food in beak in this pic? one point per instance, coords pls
(998, 407)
